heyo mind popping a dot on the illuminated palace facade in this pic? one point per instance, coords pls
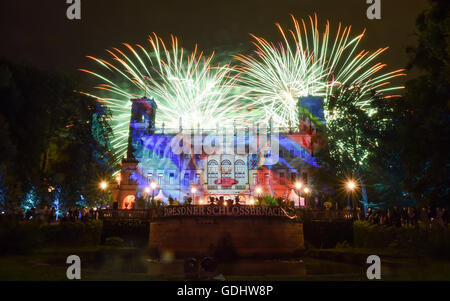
(198, 163)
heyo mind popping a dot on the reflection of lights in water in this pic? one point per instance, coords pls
(167, 256)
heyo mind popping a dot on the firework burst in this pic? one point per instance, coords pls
(188, 89)
(308, 63)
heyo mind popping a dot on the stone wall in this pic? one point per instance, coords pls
(245, 236)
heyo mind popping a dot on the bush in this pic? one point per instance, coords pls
(19, 238)
(267, 200)
(135, 233)
(326, 234)
(73, 233)
(432, 241)
(114, 241)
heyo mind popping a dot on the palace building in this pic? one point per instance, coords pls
(197, 164)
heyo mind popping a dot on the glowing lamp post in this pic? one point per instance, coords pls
(298, 187)
(193, 191)
(103, 185)
(306, 190)
(258, 191)
(147, 191)
(350, 187)
(153, 187)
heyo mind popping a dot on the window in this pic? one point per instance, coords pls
(213, 171)
(293, 178)
(239, 169)
(267, 178)
(305, 178)
(160, 179)
(282, 179)
(197, 178)
(255, 178)
(226, 169)
(171, 178)
(149, 177)
(186, 179)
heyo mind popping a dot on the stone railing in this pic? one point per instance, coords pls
(300, 213)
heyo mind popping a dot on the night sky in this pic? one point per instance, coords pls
(38, 32)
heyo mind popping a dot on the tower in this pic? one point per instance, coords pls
(142, 122)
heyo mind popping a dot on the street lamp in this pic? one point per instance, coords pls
(193, 191)
(306, 190)
(298, 186)
(350, 187)
(258, 191)
(153, 186)
(103, 185)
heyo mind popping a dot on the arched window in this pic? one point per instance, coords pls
(213, 170)
(239, 169)
(128, 202)
(226, 169)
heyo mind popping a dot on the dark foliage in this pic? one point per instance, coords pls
(135, 233)
(324, 234)
(52, 137)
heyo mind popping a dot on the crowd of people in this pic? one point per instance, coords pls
(398, 217)
(50, 215)
(406, 217)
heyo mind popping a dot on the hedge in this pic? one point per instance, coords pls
(433, 241)
(327, 234)
(19, 238)
(73, 233)
(24, 237)
(135, 233)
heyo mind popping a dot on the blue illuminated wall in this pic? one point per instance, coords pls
(150, 158)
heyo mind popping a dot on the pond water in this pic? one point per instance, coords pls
(245, 269)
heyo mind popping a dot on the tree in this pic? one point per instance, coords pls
(424, 133)
(56, 140)
(352, 135)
